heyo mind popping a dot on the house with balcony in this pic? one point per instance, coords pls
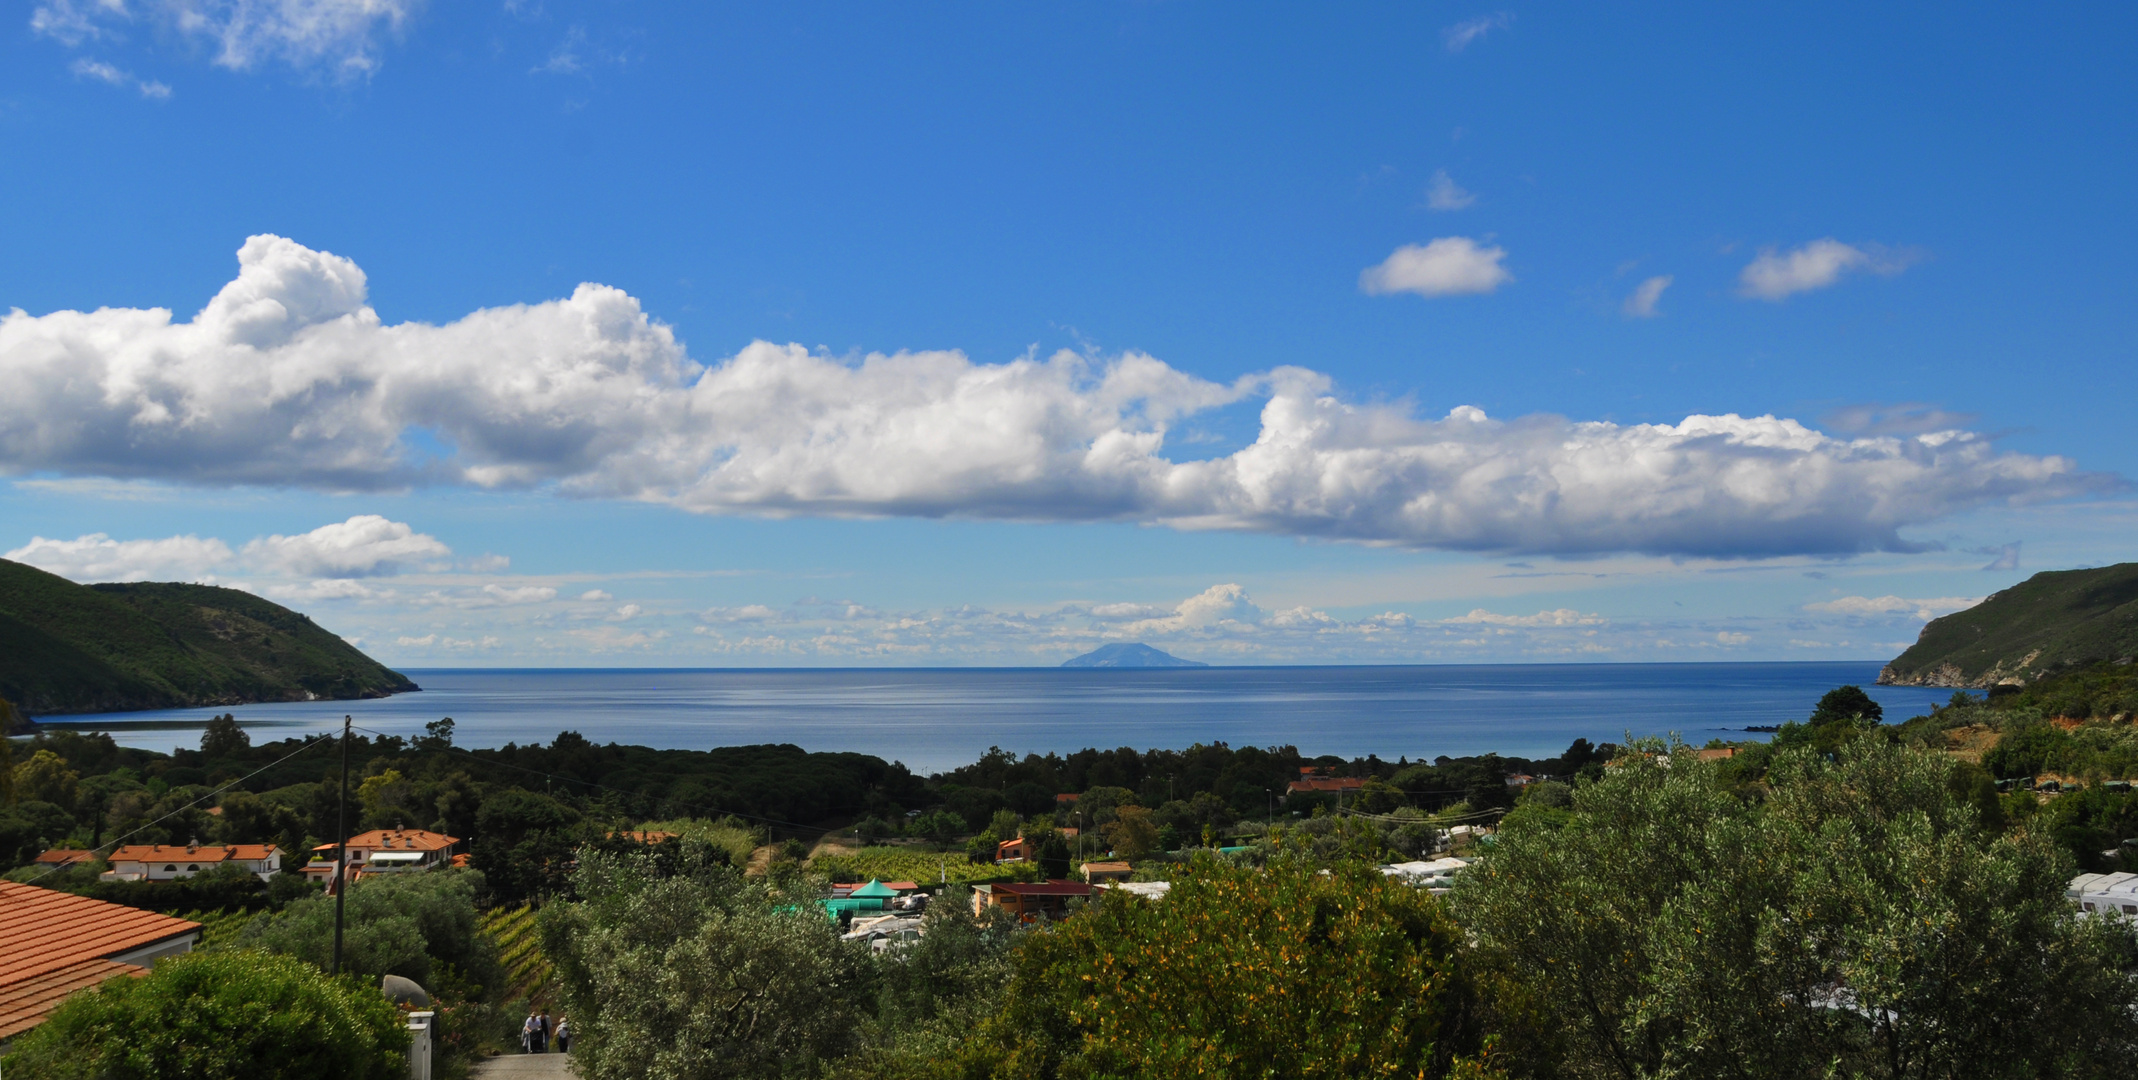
(385, 851)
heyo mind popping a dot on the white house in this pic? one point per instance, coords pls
(165, 862)
(385, 851)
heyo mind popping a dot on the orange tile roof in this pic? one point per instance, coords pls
(25, 1004)
(64, 857)
(397, 840)
(177, 853)
(42, 931)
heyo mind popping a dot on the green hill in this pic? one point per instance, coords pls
(2050, 623)
(68, 648)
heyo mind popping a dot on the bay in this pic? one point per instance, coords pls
(935, 719)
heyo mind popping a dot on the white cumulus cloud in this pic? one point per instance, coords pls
(744, 614)
(1641, 304)
(1875, 606)
(97, 557)
(595, 594)
(331, 589)
(1777, 275)
(519, 594)
(1449, 266)
(1215, 606)
(366, 545)
(287, 377)
(1559, 617)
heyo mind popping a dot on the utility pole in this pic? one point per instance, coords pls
(341, 844)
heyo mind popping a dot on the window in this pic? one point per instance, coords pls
(2130, 909)
(170, 869)
(2088, 905)
(192, 869)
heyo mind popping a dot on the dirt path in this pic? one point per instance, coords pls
(760, 861)
(524, 1066)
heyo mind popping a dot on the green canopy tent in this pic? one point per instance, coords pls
(874, 890)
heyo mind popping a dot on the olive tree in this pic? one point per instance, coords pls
(1859, 921)
(699, 973)
(1287, 970)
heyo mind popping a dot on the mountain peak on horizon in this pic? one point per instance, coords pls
(1130, 655)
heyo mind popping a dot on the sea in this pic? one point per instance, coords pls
(935, 719)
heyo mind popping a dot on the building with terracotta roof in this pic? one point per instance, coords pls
(1101, 872)
(53, 944)
(164, 862)
(65, 857)
(382, 851)
(1030, 902)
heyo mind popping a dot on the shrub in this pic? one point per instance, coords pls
(217, 1015)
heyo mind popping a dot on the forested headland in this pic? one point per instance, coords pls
(68, 648)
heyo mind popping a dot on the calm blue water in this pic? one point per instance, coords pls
(936, 719)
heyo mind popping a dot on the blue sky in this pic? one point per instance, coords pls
(988, 334)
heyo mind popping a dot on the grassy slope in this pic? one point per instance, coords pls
(73, 648)
(2048, 623)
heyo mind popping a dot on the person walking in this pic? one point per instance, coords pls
(564, 1034)
(527, 1030)
(542, 1034)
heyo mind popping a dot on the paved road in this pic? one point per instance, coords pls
(524, 1066)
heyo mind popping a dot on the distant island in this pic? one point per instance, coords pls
(2053, 622)
(1137, 655)
(68, 648)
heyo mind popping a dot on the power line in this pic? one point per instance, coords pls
(120, 842)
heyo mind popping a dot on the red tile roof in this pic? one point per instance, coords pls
(25, 1005)
(179, 853)
(397, 840)
(45, 935)
(1056, 887)
(64, 857)
(900, 886)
